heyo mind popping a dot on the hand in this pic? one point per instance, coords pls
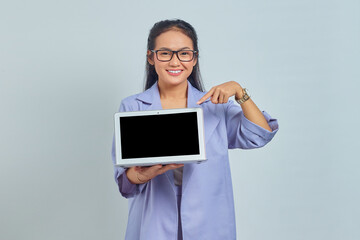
(139, 175)
(222, 92)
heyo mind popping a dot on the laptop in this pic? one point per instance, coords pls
(145, 138)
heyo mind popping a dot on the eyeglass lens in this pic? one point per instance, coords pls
(185, 55)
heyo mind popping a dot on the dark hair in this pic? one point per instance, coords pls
(188, 30)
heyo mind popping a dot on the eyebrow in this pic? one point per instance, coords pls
(168, 49)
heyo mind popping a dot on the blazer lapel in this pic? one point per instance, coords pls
(150, 99)
(210, 123)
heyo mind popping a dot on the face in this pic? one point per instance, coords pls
(174, 72)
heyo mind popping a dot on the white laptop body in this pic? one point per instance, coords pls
(145, 138)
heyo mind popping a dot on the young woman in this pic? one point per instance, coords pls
(191, 201)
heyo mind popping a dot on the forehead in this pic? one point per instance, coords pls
(173, 39)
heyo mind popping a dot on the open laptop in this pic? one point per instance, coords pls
(145, 138)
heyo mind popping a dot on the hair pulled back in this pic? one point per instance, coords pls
(188, 30)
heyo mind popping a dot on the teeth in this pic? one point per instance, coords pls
(178, 71)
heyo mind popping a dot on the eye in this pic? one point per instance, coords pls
(185, 53)
(164, 53)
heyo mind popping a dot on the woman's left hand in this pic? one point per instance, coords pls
(222, 93)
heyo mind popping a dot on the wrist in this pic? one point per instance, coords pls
(131, 175)
(244, 96)
(239, 93)
(134, 176)
(139, 178)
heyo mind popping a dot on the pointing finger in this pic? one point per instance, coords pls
(206, 96)
(215, 96)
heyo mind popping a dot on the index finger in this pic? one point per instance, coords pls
(206, 96)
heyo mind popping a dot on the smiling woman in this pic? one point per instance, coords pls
(187, 41)
(173, 72)
(191, 201)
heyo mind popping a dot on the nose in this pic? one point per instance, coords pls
(175, 61)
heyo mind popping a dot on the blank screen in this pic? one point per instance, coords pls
(159, 135)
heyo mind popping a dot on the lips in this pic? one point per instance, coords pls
(174, 72)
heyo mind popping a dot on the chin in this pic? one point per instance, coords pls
(174, 82)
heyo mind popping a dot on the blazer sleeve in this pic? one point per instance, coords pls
(126, 188)
(242, 133)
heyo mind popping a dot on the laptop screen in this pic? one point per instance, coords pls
(159, 135)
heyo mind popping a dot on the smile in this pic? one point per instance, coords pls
(177, 71)
(174, 72)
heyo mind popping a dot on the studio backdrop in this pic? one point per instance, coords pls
(66, 65)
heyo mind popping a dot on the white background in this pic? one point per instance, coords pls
(66, 65)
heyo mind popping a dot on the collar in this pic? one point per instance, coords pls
(152, 96)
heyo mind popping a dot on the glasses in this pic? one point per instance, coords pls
(167, 55)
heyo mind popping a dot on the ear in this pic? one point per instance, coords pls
(150, 57)
(195, 60)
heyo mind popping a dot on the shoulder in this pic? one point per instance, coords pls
(129, 103)
(130, 99)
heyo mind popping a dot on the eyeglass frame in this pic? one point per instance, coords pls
(172, 55)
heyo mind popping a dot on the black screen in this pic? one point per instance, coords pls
(159, 135)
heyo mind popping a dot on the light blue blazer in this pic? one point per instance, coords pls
(207, 203)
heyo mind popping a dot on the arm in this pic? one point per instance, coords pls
(249, 128)
(131, 181)
(126, 188)
(242, 133)
(221, 94)
(253, 113)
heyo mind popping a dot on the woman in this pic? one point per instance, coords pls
(194, 201)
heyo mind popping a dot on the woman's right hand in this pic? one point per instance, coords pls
(139, 175)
